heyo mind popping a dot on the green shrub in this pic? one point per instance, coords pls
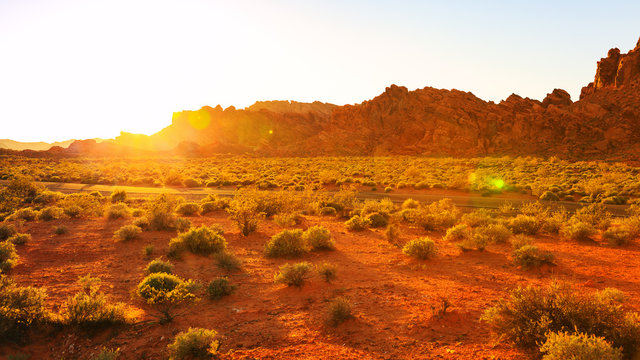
(118, 195)
(118, 211)
(287, 243)
(318, 238)
(195, 343)
(8, 256)
(20, 239)
(357, 223)
(202, 240)
(21, 308)
(339, 311)
(188, 209)
(529, 313)
(293, 275)
(165, 291)
(567, 346)
(228, 261)
(90, 308)
(579, 231)
(127, 233)
(524, 224)
(219, 288)
(327, 271)
(7, 231)
(159, 266)
(529, 256)
(50, 213)
(421, 248)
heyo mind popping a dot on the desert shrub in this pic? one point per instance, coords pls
(90, 307)
(148, 250)
(26, 214)
(577, 230)
(478, 217)
(410, 204)
(20, 308)
(127, 233)
(160, 213)
(8, 256)
(118, 195)
(188, 209)
(191, 183)
(228, 261)
(219, 288)
(392, 233)
(107, 354)
(494, 233)
(458, 232)
(524, 224)
(287, 243)
(19, 239)
(438, 215)
(357, 223)
(477, 241)
(96, 194)
(245, 214)
(617, 236)
(195, 343)
(48, 197)
(568, 346)
(118, 211)
(421, 248)
(60, 230)
(339, 311)
(81, 205)
(142, 223)
(7, 231)
(328, 211)
(293, 275)
(384, 207)
(520, 240)
(549, 196)
(553, 223)
(165, 292)
(182, 224)
(377, 220)
(327, 271)
(318, 238)
(529, 256)
(159, 266)
(23, 188)
(202, 240)
(529, 313)
(50, 213)
(611, 295)
(287, 219)
(593, 214)
(137, 212)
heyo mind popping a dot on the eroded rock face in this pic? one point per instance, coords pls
(604, 123)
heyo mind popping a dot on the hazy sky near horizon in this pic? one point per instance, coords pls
(84, 68)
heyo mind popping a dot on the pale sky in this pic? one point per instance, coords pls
(84, 68)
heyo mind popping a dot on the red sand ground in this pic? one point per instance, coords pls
(392, 296)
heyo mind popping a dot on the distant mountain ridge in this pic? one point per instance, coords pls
(603, 123)
(36, 145)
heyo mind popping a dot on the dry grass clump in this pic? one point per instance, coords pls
(90, 308)
(127, 233)
(422, 248)
(228, 261)
(159, 266)
(188, 209)
(327, 271)
(357, 223)
(565, 345)
(21, 308)
(318, 238)
(339, 311)
(287, 243)
(8, 256)
(203, 240)
(219, 288)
